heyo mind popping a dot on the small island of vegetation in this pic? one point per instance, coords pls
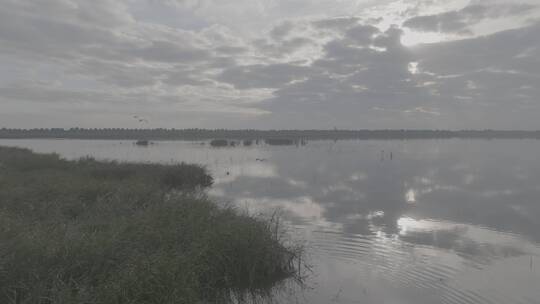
(88, 231)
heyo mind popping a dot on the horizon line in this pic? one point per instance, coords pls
(263, 130)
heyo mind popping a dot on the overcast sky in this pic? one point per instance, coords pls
(446, 64)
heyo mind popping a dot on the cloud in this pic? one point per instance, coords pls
(167, 51)
(362, 34)
(423, 111)
(460, 21)
(263, 76)
(493, 69)
(484, 77)
(339, 23)
(294, 64)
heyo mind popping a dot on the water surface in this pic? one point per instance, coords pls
(418, 221)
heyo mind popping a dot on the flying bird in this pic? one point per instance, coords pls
(140, 119)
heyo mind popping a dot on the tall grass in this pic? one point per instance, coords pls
(106, 232)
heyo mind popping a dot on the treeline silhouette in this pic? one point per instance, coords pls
(201, 134)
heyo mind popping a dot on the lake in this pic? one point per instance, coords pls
(416, 221)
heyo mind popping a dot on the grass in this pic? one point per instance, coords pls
(105, 232)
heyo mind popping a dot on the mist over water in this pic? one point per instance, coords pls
(417, 221)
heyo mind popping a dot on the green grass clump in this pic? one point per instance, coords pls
(106, 232)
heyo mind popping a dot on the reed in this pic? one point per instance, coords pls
(88, 231)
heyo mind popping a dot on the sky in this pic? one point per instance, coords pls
(270, 64)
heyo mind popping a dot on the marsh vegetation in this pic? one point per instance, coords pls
(88, 231)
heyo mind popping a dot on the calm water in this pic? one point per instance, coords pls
(449, 221)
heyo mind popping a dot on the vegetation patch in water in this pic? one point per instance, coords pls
(106, 232)
(219, 143)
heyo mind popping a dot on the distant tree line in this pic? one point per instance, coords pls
(250, 134)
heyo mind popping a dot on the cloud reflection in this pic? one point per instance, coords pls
(348, 184)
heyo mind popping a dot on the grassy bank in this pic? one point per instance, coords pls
(105, 232)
